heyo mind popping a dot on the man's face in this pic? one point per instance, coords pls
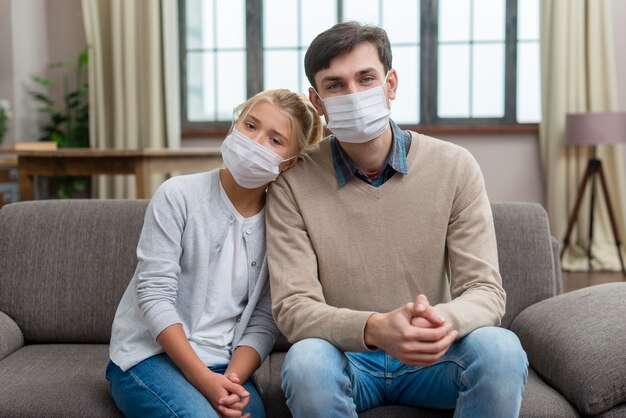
(357, 70)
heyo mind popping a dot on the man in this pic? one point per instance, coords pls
(382, 256)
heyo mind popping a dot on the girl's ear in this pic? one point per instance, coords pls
(286, 165)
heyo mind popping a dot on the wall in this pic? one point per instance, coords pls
(33, 34)
(510, 164)
(6, 59)
(36, 32)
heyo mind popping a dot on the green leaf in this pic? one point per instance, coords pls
(41, 97)
(43, 81)
(83, 58)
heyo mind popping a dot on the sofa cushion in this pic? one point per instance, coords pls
(60, 380)
(576, 342)
(11, 337)
(527, 264)
(65, 265)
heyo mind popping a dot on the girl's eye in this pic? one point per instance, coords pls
(249, 125)
(275, 141)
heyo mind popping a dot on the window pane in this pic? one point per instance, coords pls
(200, 86)
(489, 20)
(230, 22)
(454, 20)
(401, 20)
(316, 17)
(528, 19)
(304, 82)
(405, 108)
(231, 82)
(280, 23)
(281, 70)
(453, 81)
(528, 83)
(364, 11)
(199, 25)
(488, 81)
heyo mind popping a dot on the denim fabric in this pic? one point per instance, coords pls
(481, 375)
(157, 388)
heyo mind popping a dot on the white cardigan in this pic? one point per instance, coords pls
(185, 225)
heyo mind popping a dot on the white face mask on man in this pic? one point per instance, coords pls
(251, 164)
(358, 117)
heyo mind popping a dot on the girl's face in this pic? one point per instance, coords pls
(266, 125)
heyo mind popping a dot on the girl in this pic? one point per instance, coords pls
(195, 321)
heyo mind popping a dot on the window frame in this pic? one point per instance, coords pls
(428, 57)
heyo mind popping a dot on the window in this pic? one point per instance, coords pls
(460, 62)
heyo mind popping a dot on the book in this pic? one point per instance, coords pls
(35, 146)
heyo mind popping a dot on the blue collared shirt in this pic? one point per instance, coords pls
(396, 161)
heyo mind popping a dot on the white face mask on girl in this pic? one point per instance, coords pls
(251, 164)
(358, 117)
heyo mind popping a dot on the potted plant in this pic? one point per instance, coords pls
(68, 122)
(5, 115)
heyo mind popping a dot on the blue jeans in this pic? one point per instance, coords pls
(481, 375)
(157, 388)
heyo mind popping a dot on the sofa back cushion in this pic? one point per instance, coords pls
(64, 266)
(529, 267)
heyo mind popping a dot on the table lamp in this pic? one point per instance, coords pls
(593, 129)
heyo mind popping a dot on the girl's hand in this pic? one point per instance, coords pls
(233, 401)
(227, 397)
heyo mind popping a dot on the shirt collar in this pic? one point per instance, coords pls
(345, 168)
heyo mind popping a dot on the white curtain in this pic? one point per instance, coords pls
(578, 75)
(134, 80)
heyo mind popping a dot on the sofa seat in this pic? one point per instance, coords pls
(56, 380)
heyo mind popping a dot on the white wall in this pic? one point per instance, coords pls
(6, 58)
(510, 164)
(33, 34)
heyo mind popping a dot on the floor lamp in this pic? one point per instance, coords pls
(592, 129)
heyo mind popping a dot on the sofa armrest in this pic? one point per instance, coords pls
(556, 256)
(11, 338)
(576, 341)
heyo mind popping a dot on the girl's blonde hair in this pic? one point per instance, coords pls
(306, 124)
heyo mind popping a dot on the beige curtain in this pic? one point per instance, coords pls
(133, 75)
(578, 75)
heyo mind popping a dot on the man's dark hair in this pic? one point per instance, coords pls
(343, 38)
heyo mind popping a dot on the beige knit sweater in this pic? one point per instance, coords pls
(337, 255)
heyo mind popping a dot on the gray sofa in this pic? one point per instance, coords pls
(65, 264)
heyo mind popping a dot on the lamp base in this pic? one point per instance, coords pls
(594, 168)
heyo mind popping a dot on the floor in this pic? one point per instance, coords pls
(578, 280)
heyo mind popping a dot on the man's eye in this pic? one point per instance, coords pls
(366, 80)
(334, 86)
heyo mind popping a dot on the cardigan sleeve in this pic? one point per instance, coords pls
(158, 252)
(261, 331)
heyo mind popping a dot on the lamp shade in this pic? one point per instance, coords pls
(595, 128)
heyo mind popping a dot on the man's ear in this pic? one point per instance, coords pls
(317, 102)
(392, 84)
